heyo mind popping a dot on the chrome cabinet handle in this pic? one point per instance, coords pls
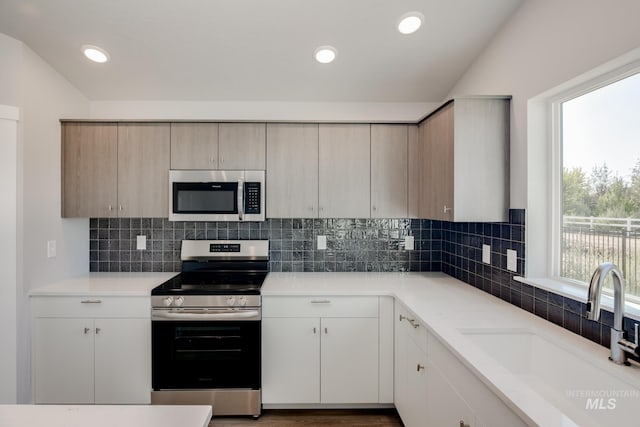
(325, 331)
(419, 367)
(463, 424)
(446, 209)
(98, 330)
(320, 301)
(411, 321)
(110, 208)
(315, 331)
(86, 330)
(90, 301)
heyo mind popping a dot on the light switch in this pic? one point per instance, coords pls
(51, 249)
(141, 242)
(322, 242)
(408, 243)
(486, 254)
(512, 260)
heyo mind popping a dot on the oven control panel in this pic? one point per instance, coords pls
(160, 301)
(224, 247)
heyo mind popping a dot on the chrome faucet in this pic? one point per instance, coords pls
(620, 346)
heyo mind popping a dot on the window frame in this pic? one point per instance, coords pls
(544, 180)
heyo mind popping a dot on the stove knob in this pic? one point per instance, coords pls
(242, 301)
(167, 301)
(179, 301)
(231, 300)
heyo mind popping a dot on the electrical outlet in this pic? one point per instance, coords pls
(486, 254)
(51, 249)
(322, 242)
(141, 242)
(512, 260)
(408, 243)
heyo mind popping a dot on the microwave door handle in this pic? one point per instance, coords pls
(240, 200)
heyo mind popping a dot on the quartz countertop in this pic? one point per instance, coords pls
(104, 415)
(447, 306)
(104, 284)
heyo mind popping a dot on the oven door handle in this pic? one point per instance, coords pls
(190, 315)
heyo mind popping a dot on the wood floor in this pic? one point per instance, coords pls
(316, 418)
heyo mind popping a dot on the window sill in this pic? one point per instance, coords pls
(579, 293)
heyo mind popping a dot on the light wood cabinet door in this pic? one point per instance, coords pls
(292, 170)
(89, 170)
(122, 361)
(143, 169)
(349, 360)
(63, 361)
(414, 183)
(344, 170)
(194, 146)
(242, 146)
(439, 164)
(389, 171)
(290, 360)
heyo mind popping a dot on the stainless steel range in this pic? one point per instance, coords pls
(206, 326)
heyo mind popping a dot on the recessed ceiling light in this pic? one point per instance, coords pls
(95, 54)
(410, 22)
(325, 54)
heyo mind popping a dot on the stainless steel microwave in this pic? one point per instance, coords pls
(216, 195)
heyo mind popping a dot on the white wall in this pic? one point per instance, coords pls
(546, 43)
(387, 112)
(8, 258)
(43, 97)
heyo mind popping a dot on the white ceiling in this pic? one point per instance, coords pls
(257, 50)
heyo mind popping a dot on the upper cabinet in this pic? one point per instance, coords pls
(89, 169)
(194, 146)
(242, 146)
(344, 170)
(143, 169)
(292, 170)
(389, 171)
(464, 161)
(111, 170)
(413, 172)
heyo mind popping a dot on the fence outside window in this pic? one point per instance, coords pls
(589, 241)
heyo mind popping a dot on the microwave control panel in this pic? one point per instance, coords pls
(252, 197)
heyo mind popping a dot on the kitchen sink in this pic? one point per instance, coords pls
(587, 391)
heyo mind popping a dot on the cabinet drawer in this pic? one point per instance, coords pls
(320, 306)
(94, 306)
(412, 326)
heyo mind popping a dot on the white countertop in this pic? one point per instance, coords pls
(104, 284)
(104, 416)
(446, 306)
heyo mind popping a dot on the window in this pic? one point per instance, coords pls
(600, 152)
(574, 203)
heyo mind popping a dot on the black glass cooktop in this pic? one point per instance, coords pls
(212, 284)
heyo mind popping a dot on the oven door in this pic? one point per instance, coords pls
(205, 354)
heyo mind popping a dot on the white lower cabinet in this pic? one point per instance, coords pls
(433, 388)
(323, 351)
(87, 360)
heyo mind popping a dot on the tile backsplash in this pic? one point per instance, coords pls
(358, 245)
(352, 244)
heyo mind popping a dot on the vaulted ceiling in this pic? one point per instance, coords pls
(257, 50)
